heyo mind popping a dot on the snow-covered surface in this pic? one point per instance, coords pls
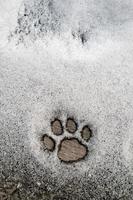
(56, 75)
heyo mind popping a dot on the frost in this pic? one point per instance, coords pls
(68, 58)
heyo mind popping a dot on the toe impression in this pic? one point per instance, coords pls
(71, 125)
(86, 133)
(57, 127)
(49, 143)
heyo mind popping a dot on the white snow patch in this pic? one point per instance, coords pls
(93, 83)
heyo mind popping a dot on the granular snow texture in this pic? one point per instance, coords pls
(61, 59)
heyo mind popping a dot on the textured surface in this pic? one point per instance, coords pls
(61, 59)
(86, 133)
(71, 150)
(71, 126)
(56, 127)
(49, 143)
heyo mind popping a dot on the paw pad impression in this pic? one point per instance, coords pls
(49, 143)
(69, 149)
(57, 127)
(71, 125)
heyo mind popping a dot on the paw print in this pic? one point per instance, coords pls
(70, 149)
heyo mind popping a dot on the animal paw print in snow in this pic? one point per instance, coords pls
(70, 149)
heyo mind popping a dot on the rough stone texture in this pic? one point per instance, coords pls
(9, 190)
(56, 127)
(71, 126)
(59, 198)
(86, 133)
(49, 143)
(71, 150)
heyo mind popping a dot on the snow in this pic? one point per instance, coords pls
(56, 75)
